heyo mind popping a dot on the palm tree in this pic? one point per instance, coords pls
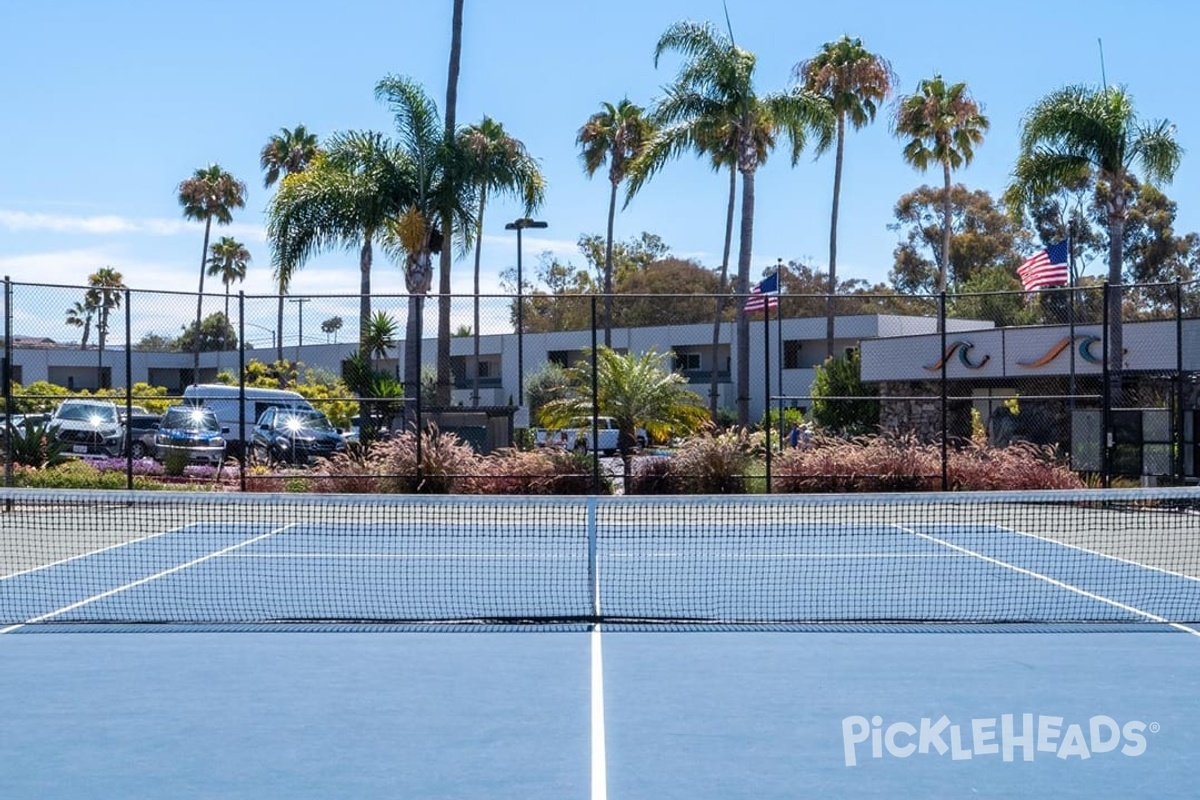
(344, 199)
(496, 161)
(381, 336)
(615, 135)
(330, 327)
(1079, 130)
(637, 392)
(228, 261)
(854, 81)
(80, 315)
(210, 194)
(716, 82)
(104, 297)
(286, 153)
(942, 124)
(437, 190)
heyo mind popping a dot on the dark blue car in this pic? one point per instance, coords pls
(295, 436)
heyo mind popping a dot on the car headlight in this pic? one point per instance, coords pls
(217, 442)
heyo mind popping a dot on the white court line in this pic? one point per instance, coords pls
(141, 581)
(599, 757)
(1091, 552)
(578, 557)
(69, 559)
(1054, 582)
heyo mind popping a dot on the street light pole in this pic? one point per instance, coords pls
(519, 225)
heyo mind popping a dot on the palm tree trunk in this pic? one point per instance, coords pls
(944, 267)
(1116, 343)
(101, 335)
(200, 303)
(608, 269)
(722, 283)
(224, 328)
(364, 294)
(475, 322)
(830, 308)
(412, 360)
(443, 339)
(745, 250)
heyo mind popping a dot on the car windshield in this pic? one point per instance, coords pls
(303, 420)
(194, 419)
(94, 413)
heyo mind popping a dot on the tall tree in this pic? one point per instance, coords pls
(615, 135)
(80, 315)
(104, 295)
(344, 200)
(854, 81)
(446, 209)
(496, 162)
(716, 81)
(943, 124)
(210, 194)
(437, 167)
(228, 262)
(1082, 129)
(285, 153)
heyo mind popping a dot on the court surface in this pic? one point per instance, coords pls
(136, 664)
(509, 715)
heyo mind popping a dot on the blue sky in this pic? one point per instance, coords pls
(107, 106)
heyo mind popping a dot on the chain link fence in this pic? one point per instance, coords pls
(947, 372)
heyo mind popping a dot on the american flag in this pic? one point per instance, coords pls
(765, 294)
(1045, 268)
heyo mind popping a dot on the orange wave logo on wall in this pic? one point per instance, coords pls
(963, 350)
(1085, 343)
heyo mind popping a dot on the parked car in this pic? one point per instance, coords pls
(578, 436)
(142, 430)
(88, 428)
(295, 436)
(232, 404)
(192, 431)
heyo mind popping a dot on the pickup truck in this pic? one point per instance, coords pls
(578, 436)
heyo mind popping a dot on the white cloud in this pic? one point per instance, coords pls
(111, 224)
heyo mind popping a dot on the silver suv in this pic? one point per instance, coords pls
(88, 428)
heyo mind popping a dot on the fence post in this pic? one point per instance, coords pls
(129, 389)
(767, 383)
(6, 376)
(595, 408)
(1177, 447)
(244, 455)
(1106, 393)
(944, 394)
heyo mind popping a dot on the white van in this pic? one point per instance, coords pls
(223, 400)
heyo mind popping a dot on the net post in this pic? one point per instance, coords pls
(593, 571)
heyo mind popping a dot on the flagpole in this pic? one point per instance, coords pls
(779, 346)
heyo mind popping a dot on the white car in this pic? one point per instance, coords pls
(88, 428)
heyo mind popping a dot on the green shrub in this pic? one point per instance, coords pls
(76, 474)
(31, 447)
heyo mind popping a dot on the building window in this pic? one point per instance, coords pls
(687, 362)
(558, 357)
(485, 369)
(791, 354)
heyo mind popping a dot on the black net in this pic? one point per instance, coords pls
(1098, 556)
